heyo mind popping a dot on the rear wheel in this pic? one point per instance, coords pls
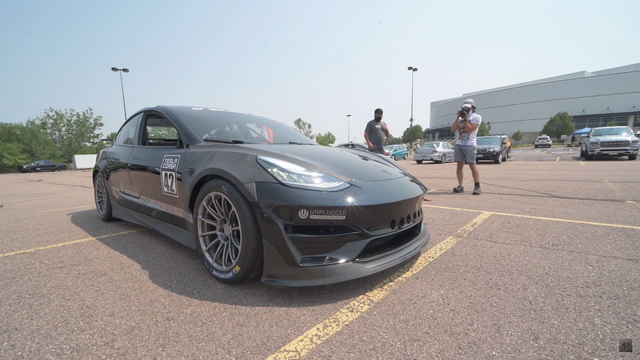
(406, 156)
(102, 199)
(419, 161)
(32, 170)
(444, 159)
(228, 239)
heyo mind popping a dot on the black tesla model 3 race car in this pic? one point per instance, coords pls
(256, 198)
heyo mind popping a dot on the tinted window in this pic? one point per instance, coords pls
(127, 132)
(612, 131)
(159, 131)
(488, 141)
(217, 124)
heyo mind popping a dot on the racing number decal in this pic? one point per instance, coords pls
(169, 176)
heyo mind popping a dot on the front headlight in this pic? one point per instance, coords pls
(297, 176)
(495, 149)
(594, 144)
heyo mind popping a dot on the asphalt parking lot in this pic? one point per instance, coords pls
(544, 264)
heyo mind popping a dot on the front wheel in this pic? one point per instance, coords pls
(499, 159)
(102, 199)
(393, 157)
(406, 156)
(418, 161)
(228, 239)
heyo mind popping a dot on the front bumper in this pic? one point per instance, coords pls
(434, 157)
(487, 156)
(612, 151)
(277, 272)
(316, 238)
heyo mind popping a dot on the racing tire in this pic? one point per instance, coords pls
(228, 239)
(444, 159)
(102, 198)
(418, 161)
(632, 157)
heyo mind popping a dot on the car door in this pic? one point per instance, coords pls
(116, 160)
(157, 163)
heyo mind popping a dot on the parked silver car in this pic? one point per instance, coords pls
(610, 141)
(438, 151)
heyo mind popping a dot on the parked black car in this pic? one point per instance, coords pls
(256, 198)
(492, 148)
(42, 165)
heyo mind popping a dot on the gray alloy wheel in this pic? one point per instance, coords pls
(220, 231)
(228, 238)
(444, 158)
(101, 197)
(499, 159)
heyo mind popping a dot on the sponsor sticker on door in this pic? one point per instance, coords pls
(169, 175)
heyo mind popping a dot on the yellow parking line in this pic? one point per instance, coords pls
(69, 243)
(52, 210)
(558, 158)
(305, 343)
(581, 163)
(537, 217)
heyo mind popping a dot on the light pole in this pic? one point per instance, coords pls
(412, 69)
(348, 127)
(123, 70)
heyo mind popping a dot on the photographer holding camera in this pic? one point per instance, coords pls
(467, 123)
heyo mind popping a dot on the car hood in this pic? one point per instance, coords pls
(346, 164)
(487, 146)
(613, 138)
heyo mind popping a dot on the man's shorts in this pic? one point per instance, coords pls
(378, 151)
(466, 153)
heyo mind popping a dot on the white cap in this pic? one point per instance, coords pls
(470, 102)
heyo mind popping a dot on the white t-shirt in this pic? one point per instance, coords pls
(468, 139)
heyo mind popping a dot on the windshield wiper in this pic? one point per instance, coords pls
(298, 143)
(225, 141)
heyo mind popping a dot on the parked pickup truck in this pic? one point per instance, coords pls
(42, 165)
(609, 141)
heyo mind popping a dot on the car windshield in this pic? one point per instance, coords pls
(612, 131)
(488, 141)
(220, 125)
(390, 147)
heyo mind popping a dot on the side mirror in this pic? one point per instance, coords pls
(504, 141)
(586, 136)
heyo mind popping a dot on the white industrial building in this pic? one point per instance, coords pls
(592, 98)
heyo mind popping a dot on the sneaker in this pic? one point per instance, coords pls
(458, 189)
(477, 190)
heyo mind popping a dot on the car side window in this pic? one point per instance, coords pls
(127, 133)
(159, 131)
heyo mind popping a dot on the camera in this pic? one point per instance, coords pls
(466, 109)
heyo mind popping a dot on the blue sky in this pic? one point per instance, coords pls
(317, 60)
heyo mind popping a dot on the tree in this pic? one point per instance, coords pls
(412, 133)
(393, 140)
(112, 136)
(325, 139)
(560, 124)
(21, 144)
(72, 132)
(482, 129)
(517, 136)
(612, 123)
(303, 128)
